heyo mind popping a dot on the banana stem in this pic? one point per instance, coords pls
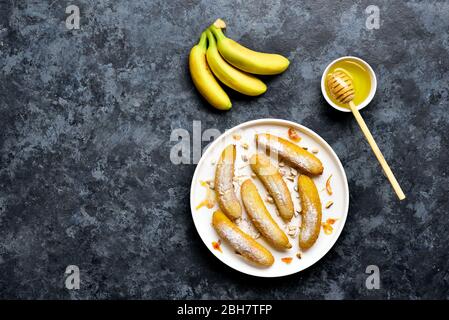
(203, 41)
(218, 33)
(210, 38)
(219, 23)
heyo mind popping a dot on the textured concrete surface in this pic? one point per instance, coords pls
(85, 123)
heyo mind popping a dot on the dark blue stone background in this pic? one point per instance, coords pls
(85, 123)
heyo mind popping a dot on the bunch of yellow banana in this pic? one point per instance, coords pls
(232, 64)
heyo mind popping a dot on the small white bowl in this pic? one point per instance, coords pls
(373, 84)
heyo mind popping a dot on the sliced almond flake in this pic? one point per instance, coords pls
(269, 199)
(314, 150)
(329, 204)
(328, 185)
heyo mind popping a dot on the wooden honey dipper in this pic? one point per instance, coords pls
(341, 88)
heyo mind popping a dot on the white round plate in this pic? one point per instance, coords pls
(205, 171)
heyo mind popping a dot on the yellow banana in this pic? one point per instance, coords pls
(246, 59)
(311, 214)
(235, 79)
(204, 79)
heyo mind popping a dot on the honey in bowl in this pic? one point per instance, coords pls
(360, 78)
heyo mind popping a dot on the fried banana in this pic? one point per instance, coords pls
(275, 185)
(261, 218)
(224, 188)
(311, 212)
(242, 243)
(291, 153)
